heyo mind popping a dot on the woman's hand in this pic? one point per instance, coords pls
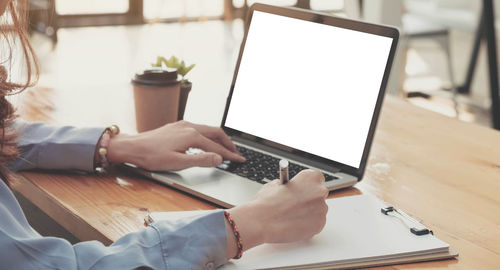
(281, 213)
(165, 148)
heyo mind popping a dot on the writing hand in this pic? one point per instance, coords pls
(282, 213)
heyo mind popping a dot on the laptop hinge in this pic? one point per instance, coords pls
(287, 155)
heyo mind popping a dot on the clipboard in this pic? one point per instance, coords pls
(361, 231)
(415, 259)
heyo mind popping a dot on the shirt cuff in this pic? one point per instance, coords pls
(46, 147)
(197, 242)
(76, 151)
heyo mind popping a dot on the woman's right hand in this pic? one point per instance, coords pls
(282, 213)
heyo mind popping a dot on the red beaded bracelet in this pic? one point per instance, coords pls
(236, 233)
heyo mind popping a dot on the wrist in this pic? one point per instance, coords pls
(121, 149)
(248, 218)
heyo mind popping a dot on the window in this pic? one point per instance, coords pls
(328, 4)
(68, 7)
(154, 9)
(274, 2)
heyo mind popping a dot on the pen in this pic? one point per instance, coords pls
(283, 171)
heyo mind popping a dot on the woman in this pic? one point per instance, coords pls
(277, 214)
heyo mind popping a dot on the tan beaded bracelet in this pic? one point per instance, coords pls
(103, 163)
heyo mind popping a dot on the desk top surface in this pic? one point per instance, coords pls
(443, 171)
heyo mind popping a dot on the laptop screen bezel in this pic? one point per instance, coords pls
(327, 20)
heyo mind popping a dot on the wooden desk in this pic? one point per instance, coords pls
(441, 170)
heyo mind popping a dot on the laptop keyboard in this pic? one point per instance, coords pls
(261, 168)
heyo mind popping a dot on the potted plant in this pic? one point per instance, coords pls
(182, 69)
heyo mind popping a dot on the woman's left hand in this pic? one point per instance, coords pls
(165, 148)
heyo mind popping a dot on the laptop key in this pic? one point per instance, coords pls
(270, 177)
(260, 167)
(330, 177)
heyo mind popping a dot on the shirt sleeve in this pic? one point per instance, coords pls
(47, 147)
(189, 243)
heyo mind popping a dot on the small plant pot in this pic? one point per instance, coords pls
(185, 89)
(156, 98)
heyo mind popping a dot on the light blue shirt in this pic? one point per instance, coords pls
(189, 243)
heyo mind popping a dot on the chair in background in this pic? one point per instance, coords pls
(473, 17)
(418, 27)
(435, 19)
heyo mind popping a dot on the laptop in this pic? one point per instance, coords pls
(308, 87)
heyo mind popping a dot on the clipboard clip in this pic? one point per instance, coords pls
(415, 227)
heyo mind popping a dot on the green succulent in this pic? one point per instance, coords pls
(173, 62)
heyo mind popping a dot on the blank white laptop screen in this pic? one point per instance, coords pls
(309, 86)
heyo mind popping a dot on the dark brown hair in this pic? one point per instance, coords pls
(13, 35)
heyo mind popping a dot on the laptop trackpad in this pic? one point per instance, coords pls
(212, 184)
(198, 175)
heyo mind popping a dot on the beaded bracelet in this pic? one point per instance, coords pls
(236, 233)
(103, 147)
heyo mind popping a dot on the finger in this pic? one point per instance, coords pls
(326, 192)
(216, 134)
(222, 138)
(208, 145)
(322, 177)
(206, 159)
(316, 175)
(275, 182)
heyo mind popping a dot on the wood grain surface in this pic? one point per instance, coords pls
(440, 170)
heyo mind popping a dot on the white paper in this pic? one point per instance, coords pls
(356, 231)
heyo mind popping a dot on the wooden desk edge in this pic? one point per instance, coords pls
(54, 209)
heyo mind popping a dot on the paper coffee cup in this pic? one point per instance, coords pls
(156, 97)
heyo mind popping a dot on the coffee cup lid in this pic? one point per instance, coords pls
(155, 77)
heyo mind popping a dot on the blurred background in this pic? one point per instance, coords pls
(89, 50)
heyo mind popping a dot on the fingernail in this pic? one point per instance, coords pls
(217, 160)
